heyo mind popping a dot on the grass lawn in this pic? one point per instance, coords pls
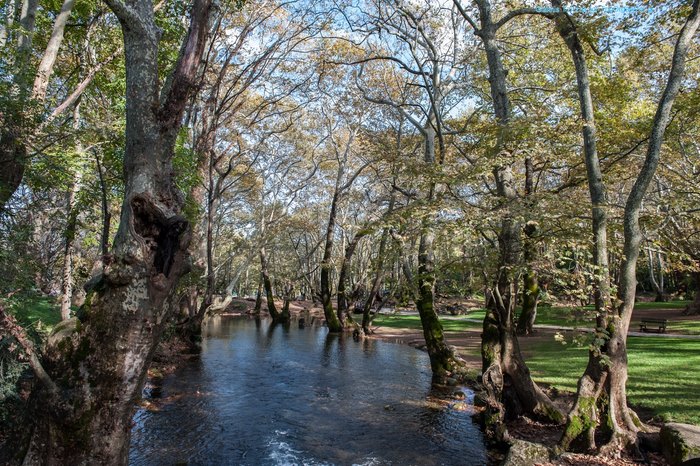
(413, 322)
(663, 373)
(576, 317)
(41, 312)
(688, 327)
(584, 316)
(666, 305)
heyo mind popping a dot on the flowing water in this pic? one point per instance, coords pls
(271, 395)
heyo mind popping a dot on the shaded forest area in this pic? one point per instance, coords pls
(159, 160)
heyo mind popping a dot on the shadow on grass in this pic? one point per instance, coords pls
(663, 373)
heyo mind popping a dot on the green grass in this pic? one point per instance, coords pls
(575, 317)
(413, 322)
(663, 373)
(666, 305)
(584, 316)
(688, 327)
(40, 312)
(565, 316)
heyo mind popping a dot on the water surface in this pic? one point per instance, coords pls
(270, 395)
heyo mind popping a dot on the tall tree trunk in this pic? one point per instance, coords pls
(657, 285)
(531, 287)
(343, 276)
(443, 361)
(694, 307)
(506, 377)
(69, 249)
(585, 416)
(378, 277)
(606, 372)
(267, 283)
(96, 369)
(71, 225)
(258, 298)
(442, 358)
(106, 214)
(48, 59)
(334, 324)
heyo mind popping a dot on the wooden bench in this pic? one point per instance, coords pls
(645, 324)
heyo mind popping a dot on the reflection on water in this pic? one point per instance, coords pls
(263, 394)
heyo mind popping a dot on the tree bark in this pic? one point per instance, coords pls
(607, 366)
(510, 388)
(378, 277)
(531, 291)
(106, 214)
(71, 225)
(258, 298)
(267, 284)
(531, 287)
(657, 285)
(622, 421)
(343, 276)
(98, 361)
(334, 324)
(69, 249)
(694, 307)
(48, 59)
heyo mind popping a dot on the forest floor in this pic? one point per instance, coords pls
(463, 332)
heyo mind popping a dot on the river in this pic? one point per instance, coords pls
(263, 394)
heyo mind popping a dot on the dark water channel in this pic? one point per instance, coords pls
(270, 395)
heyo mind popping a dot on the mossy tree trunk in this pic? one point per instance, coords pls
(531, 291)
(443, 362)
(343, 306)
(95, 366)
(531, 287)
(378, 277)
(506, 378)
(267, 284)
(606, 372)
(258, 298)
(442, 359)
(334, 324)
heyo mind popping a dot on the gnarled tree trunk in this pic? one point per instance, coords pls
(508, 383)
(95, 365)
(606, 372)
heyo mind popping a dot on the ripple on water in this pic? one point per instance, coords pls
(270, 395)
